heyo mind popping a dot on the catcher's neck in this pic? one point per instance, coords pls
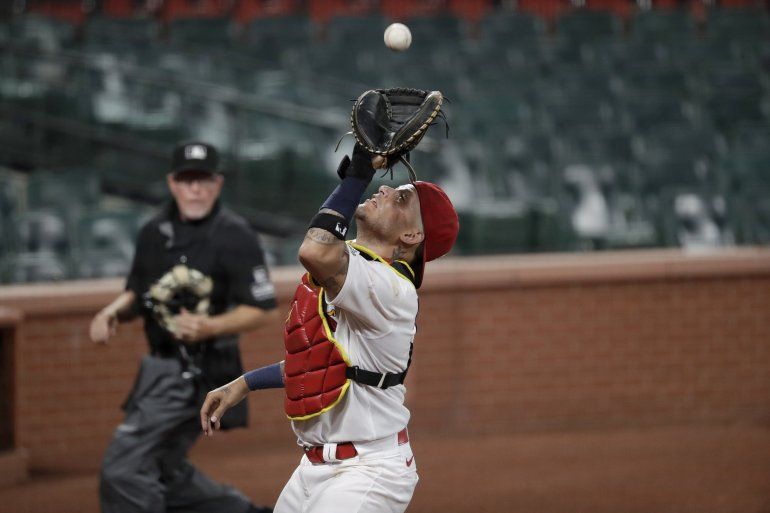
(387, 251)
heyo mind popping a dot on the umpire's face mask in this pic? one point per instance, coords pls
(195, 192)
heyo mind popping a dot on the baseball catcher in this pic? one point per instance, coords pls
(349, 335)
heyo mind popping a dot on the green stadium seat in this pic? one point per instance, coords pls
(43, 230)
(197, 32)
(642, 52)
(42, 32)
(510, 27)
(735, 95)
(646, 79)
(65, 189)
(496, 232)
(749, 137)
(525, 146)
(693, 55)
(34, 267)
(552, 228)
(568, 115)
(692, 219)
(749, 215)
(105, 242)
(5, 34)
(436, 28)
(647, 111)
(581, 81)
(102, 33)
(750, 168)
(366, 31)
(605, 146)
(659, 24)
(587, 25)
(726, 24)
(271, 36)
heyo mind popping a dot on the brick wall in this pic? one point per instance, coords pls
(541, 342)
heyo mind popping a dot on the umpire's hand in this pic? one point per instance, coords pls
(191, 328)
(218, 401)
(103, 326)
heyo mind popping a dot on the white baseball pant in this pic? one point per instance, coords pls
(381, 479)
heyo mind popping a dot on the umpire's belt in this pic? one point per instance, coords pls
(334, 453)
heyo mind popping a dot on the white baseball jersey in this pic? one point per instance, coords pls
(375, 312)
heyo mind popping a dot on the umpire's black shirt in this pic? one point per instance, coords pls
(222, 246)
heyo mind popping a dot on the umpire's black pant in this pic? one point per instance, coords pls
(145, 468)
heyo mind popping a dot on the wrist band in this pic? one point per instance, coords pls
(346, 197)
(265, 377)
(335, 225)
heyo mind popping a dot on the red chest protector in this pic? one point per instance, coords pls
(317, 370)
(316, 366)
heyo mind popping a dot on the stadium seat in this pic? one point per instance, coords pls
(578, 26)
(552, 228)
(44, 230)
(280, 29)
(510, 28)
(647, 111)
(34, 267)
(658, 24)
(105, 243)
(726, 23)
(42, 32)
(442, 27)
(366, 31)
(495, 232)
(692, 219)
(65, 189)
(749, 215)
(217, 32)
(735, 96)
(5, 34)
(103, 33)
(650, 79)
(567, 114)
(636, 52)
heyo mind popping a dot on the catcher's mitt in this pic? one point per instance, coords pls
(391, 122)
(179, 288)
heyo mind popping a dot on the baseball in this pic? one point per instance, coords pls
(398, 37)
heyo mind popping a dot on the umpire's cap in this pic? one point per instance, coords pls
(195, 156)
(440, 226)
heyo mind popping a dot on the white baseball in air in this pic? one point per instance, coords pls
(398, 37)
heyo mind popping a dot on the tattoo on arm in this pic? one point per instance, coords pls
(321, 236)
(333, 284)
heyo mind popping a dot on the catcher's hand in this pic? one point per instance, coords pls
(391, 122)
(218, 401)
(362, 165)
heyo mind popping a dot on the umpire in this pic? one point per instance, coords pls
(198, 279)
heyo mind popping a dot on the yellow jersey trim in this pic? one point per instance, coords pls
(375, 256)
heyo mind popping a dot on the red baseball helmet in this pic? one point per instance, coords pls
(440, 225)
